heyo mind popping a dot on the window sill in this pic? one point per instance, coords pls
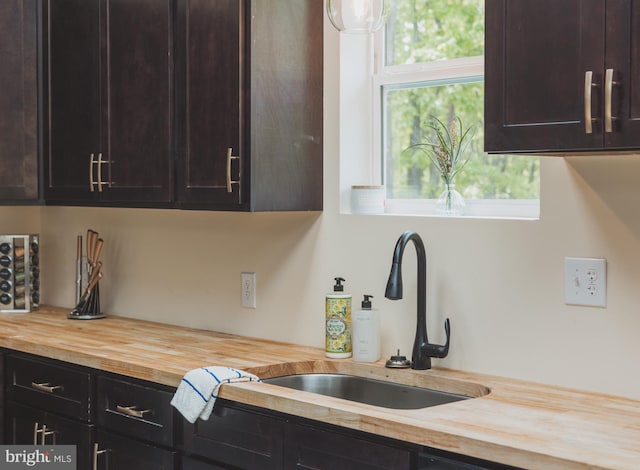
(516, 209)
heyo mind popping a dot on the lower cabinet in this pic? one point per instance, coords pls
(438, 460)
(117, 423)
(238, 436)
(114, 452)
(30, 426)
(121, 423)
(311, 447)
(2, 421)
(193, 464)
(135, 423)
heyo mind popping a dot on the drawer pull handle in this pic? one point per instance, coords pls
(97, 452)
(47, 387)
(132, 411)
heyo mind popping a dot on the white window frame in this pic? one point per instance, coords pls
(433, 72)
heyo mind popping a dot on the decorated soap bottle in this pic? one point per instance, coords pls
(338, 322)
(366, 333)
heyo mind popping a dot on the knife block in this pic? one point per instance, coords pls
(19, 273)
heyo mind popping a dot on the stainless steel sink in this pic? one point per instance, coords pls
(365, 390)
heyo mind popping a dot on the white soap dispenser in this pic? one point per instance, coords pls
(366, 333)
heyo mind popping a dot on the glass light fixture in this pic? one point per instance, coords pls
(357, 16)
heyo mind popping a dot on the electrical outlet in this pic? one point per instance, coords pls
(248, 286)
(585, 281)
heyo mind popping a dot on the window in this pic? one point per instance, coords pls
(432, 66)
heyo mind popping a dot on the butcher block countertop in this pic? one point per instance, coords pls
(513, 422)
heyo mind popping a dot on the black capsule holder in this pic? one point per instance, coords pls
(19, 273)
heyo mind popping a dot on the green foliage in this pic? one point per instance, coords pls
(447, 146)
(427, 31)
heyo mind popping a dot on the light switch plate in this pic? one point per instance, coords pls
(585, 281)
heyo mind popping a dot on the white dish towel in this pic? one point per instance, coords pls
(198, 389)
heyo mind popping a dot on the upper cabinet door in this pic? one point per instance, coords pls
(137, 113)
(622, 59)
(210, 84)
(537, 55)
(110, 102)
(18, 101)
(249, 104)
(72, 121)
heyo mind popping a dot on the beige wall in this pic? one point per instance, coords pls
(500, 281)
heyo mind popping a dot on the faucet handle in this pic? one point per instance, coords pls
(440, 351)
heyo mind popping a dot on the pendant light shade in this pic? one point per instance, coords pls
(356, 16)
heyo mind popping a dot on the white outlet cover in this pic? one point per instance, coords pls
(585, 281)
(248, 289)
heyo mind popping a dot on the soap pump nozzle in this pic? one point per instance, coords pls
(338, 287)
(366, 303)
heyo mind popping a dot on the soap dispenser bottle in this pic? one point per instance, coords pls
(338, 322)
(366, 333)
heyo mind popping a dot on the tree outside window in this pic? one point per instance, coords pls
(420, 33)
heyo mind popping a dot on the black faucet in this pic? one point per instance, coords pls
(422, 350)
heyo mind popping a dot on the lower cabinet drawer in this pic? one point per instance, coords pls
(193, 464)
(50, 385)
(439, 460)
(113, 452)
(136, 409)
(27, 425)
(314, 448)
(237, 437)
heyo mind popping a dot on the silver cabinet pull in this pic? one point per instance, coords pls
(36, 431)
(47, 387)
(96, 453)
(100, 162)
(46, 433)
(91, 181)
(231, 181)
(588, 87)
(132, 411)
(43, 434)
(608, 90)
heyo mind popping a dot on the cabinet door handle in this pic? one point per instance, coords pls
(96, 453)
(36, 431)
(100, 162)
(43, 434)
(608, 90)
(91, 181)
(132, 411)
(231, 181)
(46, 433)
(588, 87)
(47, 387)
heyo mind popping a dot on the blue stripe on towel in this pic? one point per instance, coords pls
(211, 374)
(195, 389)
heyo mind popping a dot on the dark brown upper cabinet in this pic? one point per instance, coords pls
(560, 76)
(18, 101)
(249, 104)
(108, 102)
